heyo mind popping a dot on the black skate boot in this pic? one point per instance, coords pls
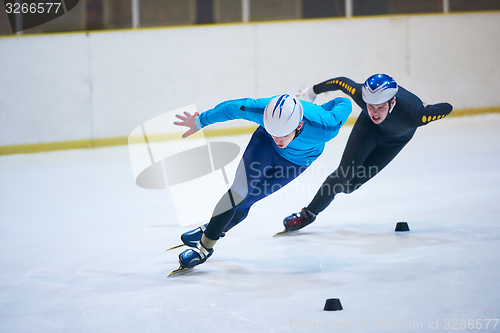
(298, 221)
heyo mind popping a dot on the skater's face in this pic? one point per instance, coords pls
(284, 141)
(379, 112)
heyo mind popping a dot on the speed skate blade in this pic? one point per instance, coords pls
(179, 271)
(282, 233)
(175, 247)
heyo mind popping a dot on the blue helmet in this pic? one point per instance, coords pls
(378, 89)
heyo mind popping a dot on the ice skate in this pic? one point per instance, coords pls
(297, 221)
(192, 257)
(192, 237)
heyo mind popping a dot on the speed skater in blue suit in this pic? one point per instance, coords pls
(292, 135)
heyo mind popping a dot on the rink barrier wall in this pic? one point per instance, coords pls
(90, 89)
(118, 141)
(361, 17)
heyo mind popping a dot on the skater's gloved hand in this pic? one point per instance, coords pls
(306, 94)
(188, 120)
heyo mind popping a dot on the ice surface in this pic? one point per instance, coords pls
(82, 247)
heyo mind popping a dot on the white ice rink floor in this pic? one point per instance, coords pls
(82, 247)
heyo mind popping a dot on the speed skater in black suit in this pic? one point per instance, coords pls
(389, 117)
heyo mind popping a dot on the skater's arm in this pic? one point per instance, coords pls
(326, 120)
(344, 84)
(245, 108)
(431, 112)
(338, 110)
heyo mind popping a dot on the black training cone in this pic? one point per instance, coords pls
(402, 226)
(332, 304)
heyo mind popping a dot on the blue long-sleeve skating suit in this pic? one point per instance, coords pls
(265, 168)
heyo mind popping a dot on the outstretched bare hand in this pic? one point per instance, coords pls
(188, 120)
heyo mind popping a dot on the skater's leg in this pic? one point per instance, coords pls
(275, 179)
(376, 162)
(361, 143)
(259, 154)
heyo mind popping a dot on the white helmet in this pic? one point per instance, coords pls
(378, 89)
(282, 115)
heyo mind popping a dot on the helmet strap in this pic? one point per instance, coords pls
(390, 108)
(297, 132)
